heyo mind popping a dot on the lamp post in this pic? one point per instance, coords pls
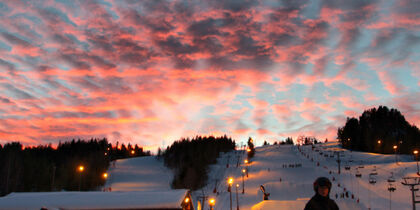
(243, 181)
(416, 152)
(81, 168)
(246, 167)
(237, 198)
(211, 203)
(379, 144)
(230, 182)
(395, 149)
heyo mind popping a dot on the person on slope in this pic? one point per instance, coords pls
(321, 200)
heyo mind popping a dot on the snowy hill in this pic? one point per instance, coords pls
(272, 163)
(139, 174)
(285, 171)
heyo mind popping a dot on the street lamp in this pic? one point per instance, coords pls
(246, 167)
(243, 182)
(81, 168)
(105, 175)
(416, 152)
(237, 198)
(133, 152)
(211, 203)
(379, 145)
(230, 182)
(395, 149)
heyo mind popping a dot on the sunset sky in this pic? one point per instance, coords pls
(153, 71)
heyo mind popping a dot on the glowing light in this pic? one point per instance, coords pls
(212, 201)
(395, 147)
(246, 161)
(379, 141)
(187, 200)
(230, 181)
(243, 170)
(81, 168)
(132, 152)
(105, 175)
(415, 152)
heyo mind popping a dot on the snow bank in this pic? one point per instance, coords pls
(93, 200)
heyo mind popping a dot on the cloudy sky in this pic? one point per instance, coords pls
(153, 71)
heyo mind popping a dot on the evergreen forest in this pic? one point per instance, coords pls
(380, 130)
(44, 168)
(190, 158)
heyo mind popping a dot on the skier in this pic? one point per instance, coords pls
(321, 199)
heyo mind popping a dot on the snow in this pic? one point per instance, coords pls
(296, 185)
(139, 174)
(147, 176)
(94, 200)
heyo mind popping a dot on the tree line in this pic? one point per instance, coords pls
(44, 168)
(380, 130)
(190, 158)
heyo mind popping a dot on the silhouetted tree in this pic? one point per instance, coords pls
(190, 158)
(388, 126)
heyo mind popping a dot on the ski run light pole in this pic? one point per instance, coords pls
(230, 182)
(338, 161)
(237, 198)
(243, 182)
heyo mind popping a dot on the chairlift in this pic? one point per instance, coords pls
(391, 178)
(361, 164)
(358, 174)
(372, 179)
(374, 172)
(391, 188)
(347, 166)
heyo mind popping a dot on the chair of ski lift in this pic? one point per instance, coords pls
(358, 174)
(372, 179)
(347, 167)
(391, 178)
(374, 172)
(361, 164)
(391, 188)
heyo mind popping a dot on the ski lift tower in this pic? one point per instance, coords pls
(338, 160)
(412, 182)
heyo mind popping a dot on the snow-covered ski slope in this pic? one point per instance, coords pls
(139, 174)
(286, 173)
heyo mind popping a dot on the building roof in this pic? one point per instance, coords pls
(170, 199)
(275, 204)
